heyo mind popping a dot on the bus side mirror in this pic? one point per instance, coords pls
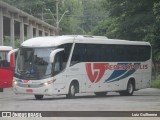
(53, 53)
(10, 57)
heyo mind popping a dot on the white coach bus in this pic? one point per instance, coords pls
(79, 64)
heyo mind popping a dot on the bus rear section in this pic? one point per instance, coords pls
(6, 68)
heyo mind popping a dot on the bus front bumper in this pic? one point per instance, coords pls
(45, 90)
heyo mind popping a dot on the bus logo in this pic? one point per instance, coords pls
(95, 71)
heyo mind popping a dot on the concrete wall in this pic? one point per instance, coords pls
(34, 25)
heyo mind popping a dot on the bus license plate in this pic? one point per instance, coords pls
(29, 90)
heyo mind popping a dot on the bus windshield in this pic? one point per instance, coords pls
(33, 63)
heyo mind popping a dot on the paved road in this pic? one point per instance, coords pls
(142, 100)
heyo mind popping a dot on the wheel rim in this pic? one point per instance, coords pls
(130, 88)
(72, 90)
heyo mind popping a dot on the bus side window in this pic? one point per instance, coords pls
(78, 54)
(3, 60)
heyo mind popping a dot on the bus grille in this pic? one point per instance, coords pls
(30, 85)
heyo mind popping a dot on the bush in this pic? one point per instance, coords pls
(156, 83)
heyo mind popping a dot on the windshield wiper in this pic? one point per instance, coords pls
(21, 71)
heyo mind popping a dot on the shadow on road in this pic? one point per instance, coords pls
(63, 97)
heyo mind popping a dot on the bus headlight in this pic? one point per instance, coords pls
(15, 82)
(49, 82)
(46, 83)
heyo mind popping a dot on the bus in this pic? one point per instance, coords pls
(66, 65)
(6, 68)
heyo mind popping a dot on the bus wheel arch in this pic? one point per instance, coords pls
(73, 89)
(130, 88)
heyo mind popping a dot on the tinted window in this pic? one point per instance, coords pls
(66, 52)
(3, 60)
(110, 53)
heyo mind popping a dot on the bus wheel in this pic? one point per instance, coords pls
(129, 91)
(72, 91)
(38, 97)
(1, 89)
(100, 94)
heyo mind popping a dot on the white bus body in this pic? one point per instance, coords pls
(80, 64)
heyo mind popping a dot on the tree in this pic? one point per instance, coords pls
(156, 40)
(71, 23)
(132, 18)
(107, 28)
(93, 14)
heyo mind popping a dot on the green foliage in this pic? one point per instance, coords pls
(156, 31)
(93, 14)
(156, 10)
(106, 28)
(156, 83)
(70, 24)
(132, 19)
(7, 41)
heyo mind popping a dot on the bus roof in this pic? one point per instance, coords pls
(5, 48)
(50, 41)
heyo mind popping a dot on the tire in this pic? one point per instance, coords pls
(129, 91)
(100, 94)
(38, 97)
(72, 91)
(1, 89)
